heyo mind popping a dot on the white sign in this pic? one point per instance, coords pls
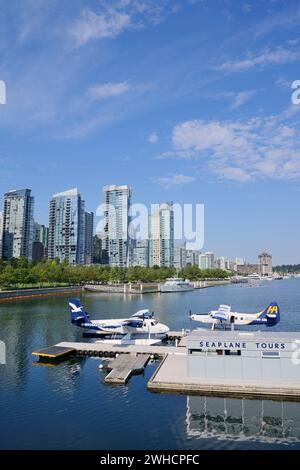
(242, 345)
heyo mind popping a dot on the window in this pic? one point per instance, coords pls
(270, 354)
(229, 352)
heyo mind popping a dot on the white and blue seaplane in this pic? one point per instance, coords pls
(141, 328)
(225, 317)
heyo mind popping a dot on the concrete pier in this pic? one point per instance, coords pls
(172, 377)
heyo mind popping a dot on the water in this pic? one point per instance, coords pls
(69, 406)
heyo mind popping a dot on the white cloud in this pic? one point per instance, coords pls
(261, 147)
(279, 55)
(93, 26)
(108, 90)
(241, 98)
(173, 180)
(153, 138)
(113, 17)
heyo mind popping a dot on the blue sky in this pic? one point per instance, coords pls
(185, 100)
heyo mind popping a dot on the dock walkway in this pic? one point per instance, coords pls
(124, 366)
(92, 348)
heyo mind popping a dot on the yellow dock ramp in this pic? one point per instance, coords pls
(54, 352)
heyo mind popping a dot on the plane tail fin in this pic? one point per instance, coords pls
(77, 312)
(272, 314)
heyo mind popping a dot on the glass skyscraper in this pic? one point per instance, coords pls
(115, 238)
(18, 224)
(67, 227)
(161, 237)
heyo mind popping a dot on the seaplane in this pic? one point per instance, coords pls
(140, 328)
(225, 317)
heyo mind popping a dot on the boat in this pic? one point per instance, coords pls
(176, 284)
(254, 277)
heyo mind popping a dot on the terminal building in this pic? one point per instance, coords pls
(261, 360)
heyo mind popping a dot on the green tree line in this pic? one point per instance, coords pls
(17, 273)
(287, 268)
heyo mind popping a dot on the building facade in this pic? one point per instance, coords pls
(18, 224)
(223, 263)
(67, 227)
(265, 264)
(180, 256)
(1, 233)
(161, 236)
(207, 260)
(40, 234)
(97, 249)
(141, 254)
(88, 238)
(116, 240)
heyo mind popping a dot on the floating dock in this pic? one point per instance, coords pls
(123, 367)
(221, 363)
(172, 335)
(54, 352)
(109, 350)
(172, 377)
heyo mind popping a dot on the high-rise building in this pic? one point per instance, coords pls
(67, 227)
(116, 240)
(18, 224)
(180, 256)
(161, 235)
(192, 258)
(88, 239)
(40, 242)
(223, 263)
(265, 264)
(1, 233)
(206, 260)
(97, 249)
(40, 234)
(141, 254)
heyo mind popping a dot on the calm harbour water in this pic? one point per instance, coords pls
(69, 406)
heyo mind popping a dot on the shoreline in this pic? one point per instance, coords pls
(23, 294)
(40, 292)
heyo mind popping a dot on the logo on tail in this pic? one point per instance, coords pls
(78, 315)
(271, 314)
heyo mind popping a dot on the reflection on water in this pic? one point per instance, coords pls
(69, 406)
(243, 420)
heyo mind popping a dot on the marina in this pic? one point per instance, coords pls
(212, 362)
(76, 392)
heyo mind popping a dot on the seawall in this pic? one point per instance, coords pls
(21, 294)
